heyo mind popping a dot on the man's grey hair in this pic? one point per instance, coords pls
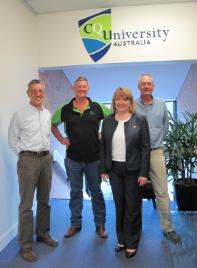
(142, 75)
(35, 81)
(81, 78)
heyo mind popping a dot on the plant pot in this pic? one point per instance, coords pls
(186, 195)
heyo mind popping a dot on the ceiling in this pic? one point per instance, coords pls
(53, 6)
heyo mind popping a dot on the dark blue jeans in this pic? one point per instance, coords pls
(75, 171)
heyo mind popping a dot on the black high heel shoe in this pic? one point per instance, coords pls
(130, 254)
(119, 248)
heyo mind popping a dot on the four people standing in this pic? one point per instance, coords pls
(29, 137)
(81, 118)
(156, 113)
(125, 157)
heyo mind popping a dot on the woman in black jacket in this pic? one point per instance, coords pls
(125, 159)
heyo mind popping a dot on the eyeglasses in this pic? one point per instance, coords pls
(35, 92)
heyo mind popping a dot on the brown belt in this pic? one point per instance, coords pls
(42, 153)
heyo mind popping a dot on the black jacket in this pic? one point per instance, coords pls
(137, 144)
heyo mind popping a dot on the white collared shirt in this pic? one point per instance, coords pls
(30, 130)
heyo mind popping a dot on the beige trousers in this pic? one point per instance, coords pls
(158, 177)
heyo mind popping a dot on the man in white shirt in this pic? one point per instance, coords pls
(29, 137)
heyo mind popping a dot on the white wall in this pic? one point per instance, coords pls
(60, 43)
(17, 67)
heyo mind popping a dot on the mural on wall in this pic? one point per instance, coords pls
(95, 32)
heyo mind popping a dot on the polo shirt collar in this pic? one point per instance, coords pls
(141, 101)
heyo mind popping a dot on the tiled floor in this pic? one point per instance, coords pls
(87, 250)
(185, 255)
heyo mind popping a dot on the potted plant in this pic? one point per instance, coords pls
(181, 159)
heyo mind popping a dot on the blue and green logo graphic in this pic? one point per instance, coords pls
(96, 34)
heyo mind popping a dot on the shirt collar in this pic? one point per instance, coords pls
(90, 101)
(34, 108)
(140, 99)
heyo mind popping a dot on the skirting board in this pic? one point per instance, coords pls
(12, 232)
(8, 236)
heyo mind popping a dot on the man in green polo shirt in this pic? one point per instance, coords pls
(81, 118)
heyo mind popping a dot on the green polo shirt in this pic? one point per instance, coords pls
(81, 129)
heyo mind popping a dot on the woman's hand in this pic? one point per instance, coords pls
(104, 177)
(142, 180)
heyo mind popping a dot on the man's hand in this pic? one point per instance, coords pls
(65, 141)
(59, 137)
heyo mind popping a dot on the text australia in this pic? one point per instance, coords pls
(126, 38)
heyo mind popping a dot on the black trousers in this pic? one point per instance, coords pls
(128, 203)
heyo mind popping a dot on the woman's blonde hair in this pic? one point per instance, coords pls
(127, 95)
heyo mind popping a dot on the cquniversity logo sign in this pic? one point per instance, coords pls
(96, 34)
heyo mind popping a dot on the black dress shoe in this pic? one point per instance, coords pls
(119, 248)
(130, 254)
